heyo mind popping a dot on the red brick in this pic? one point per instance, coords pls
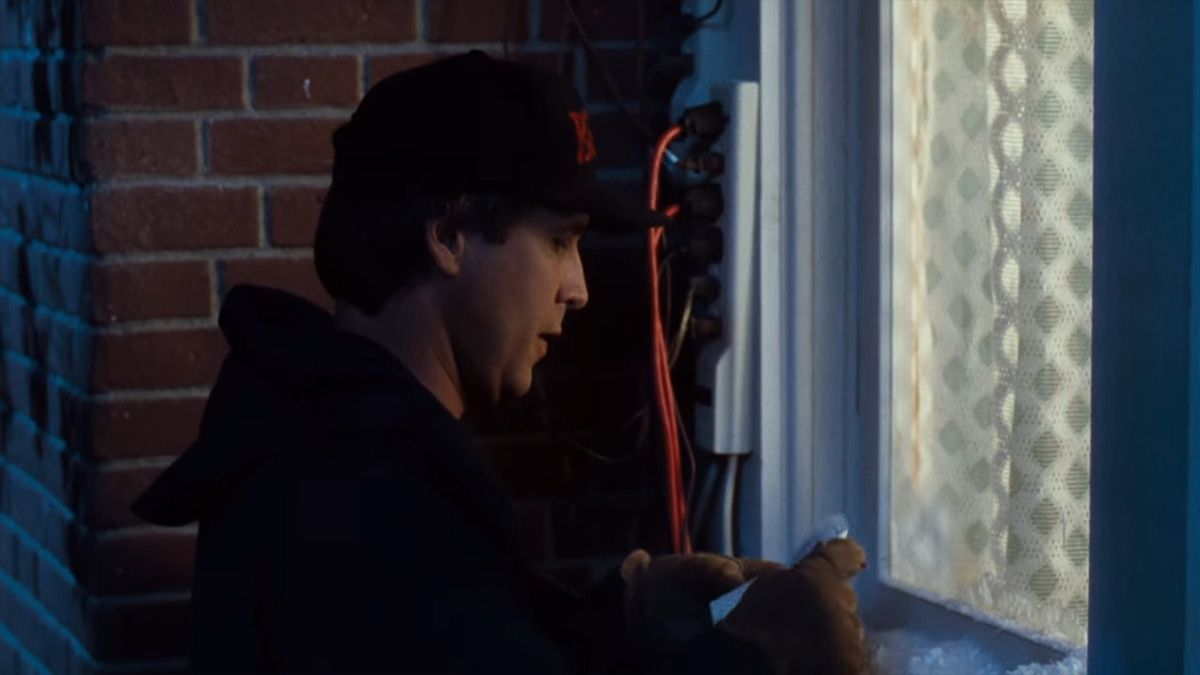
(165, 82)
(311, 21)
(13, 75)
(562, 62)
(382, 66)
(306, 81)
(159, 147)
(137, 22)
(25, 620)
(112, 492)
(273, 146)
(294, 213)
(18, 388)
(162, 218)
(291, 274)
(44, 83)
(478, 20)
(622, 65)
(143, 562)
(150, 290)
(141, 630)
(605, 19)
(32, 567)
(157, 359)
(147, 428)
(38, 144)
(55, 529)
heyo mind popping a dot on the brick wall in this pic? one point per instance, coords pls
(46, 337)
(153, 153)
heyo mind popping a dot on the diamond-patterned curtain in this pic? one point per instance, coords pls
(991, 305)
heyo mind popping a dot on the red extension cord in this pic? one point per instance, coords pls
(681, 541)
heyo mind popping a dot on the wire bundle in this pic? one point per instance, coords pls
(664, 390)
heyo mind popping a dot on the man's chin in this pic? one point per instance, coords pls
(483, 393)
(517, 387)
(507, 389)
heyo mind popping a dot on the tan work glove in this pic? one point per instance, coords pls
(667, 598)
(805, 618)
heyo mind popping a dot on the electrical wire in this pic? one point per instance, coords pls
(709, 14)
(562, 39)
(702, 504)
(664, 267)
(665, 394)
(666, 291)
(691, 458)
(606, 75)
(663, 384)
(568, 437)
(606, 459)
(677, 344)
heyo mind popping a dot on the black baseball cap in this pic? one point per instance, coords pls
(473, 124)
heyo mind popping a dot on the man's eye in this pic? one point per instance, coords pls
(561, 244)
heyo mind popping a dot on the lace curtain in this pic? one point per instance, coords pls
(991, 274)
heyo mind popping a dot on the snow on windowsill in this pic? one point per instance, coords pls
(905, 652)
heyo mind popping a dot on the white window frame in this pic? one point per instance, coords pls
(820, 208)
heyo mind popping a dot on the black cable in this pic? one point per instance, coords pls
(607, 76)
(551, 428)
(691, 457)
(562, 39)
(704, 499)
(580, 447)
(639, 59)
(709, 14)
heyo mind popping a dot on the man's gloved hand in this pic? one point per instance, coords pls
(666, 598)
(805, 618)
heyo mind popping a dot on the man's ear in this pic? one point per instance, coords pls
(446, 245)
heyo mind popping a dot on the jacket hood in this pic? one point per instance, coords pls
(284, 361)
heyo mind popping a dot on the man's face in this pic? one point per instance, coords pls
(510, 298)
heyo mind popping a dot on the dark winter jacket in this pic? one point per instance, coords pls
(346, 525)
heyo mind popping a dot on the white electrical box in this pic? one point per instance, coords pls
(727, 367)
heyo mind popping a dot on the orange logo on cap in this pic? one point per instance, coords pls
(585, 146)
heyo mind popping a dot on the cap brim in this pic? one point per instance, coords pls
(611, 210)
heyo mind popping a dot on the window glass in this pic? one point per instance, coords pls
(990, 309)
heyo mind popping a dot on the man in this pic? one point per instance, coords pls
(345, 524)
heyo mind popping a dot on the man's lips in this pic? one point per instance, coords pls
(544, 340)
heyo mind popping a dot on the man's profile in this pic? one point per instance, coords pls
(345, 524)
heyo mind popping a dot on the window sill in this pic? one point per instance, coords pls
(915, 653)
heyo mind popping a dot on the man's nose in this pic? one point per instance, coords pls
(573, 291)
